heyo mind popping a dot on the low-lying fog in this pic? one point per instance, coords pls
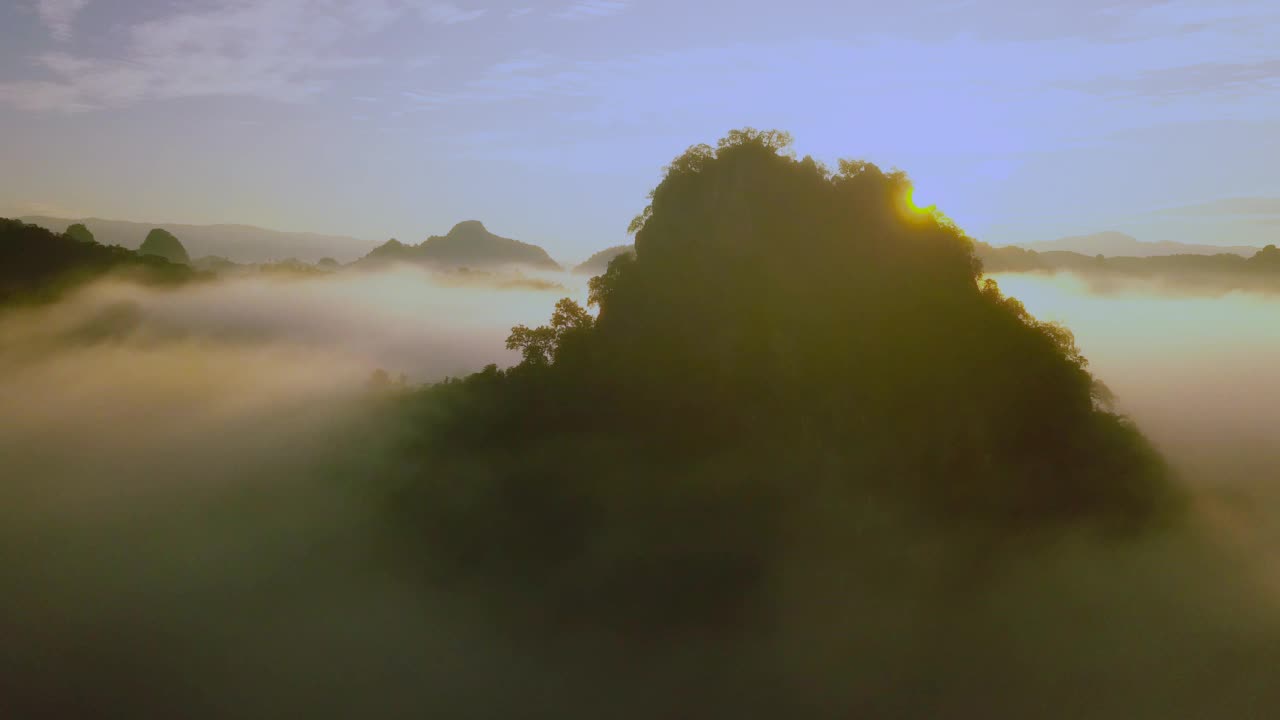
(181, 527)
(1200, 375)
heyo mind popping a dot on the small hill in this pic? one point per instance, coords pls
(598, 263)
(164, 244)
(1118, 244)
(469, 244)
(37, 265)
(239, 243)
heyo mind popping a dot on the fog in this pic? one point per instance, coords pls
(185, 527)
(182, 527)
(1200, 376)
(1197, 373)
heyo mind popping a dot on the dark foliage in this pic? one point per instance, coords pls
(599, 262)
(163, 243)
(241, 243)
(788, 343)
(37, 265)
(79, 232)
(293, 267)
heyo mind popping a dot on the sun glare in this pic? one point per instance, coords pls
(916, 206)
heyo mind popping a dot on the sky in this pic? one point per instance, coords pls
(551, 120)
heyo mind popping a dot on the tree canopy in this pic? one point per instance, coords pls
(162, 243)
(80, 233)
(782, 333)
(37, 265)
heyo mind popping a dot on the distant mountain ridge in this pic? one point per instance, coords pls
(468, 244)
(240, 243)
(599, 262)
(1220, 272)
(1118, 244)
(38, 265)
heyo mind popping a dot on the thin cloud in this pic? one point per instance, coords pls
(448, 13)
(59, 15)
(270, 49)
(519, 12)
(1199, 79)
(593, 9)
(1229, 206)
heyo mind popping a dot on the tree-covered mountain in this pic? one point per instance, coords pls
(162, 243)
(238, 243)
(599, 262)
(468, 244)
(38, 265)
(794, 366)
(1118, 244)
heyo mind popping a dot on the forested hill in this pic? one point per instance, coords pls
(599, 262)
(238, 243)
(793, 356)
(37, 264)
(469, 244)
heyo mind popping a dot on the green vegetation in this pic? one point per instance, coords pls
(164, 244)
(37, 265)
(293, 267)
(599, 262)
(242, 243)
(79, 233)
(790, 347)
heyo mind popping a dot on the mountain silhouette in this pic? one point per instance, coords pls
(599, 262)
(790, 347)
(468, 244)
(238, 243)
(164, 244)
(1118, 244)
(1221, 272)
(37, 265)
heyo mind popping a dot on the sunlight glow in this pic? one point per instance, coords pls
(914, 206)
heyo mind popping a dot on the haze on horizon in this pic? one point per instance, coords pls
(265, 528)
(548, 121)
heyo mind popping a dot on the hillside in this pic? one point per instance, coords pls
(599, 262)
(1118, 244)
(468, 244)
(791, 360)
(38, 265)
(238, 243)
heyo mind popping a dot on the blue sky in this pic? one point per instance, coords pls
(551, 120)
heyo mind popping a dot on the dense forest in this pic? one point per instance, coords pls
(38, 265)
(796, 458)
(242, 243)
(599, 261)
(790, 350)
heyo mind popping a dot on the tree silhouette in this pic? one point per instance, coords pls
(80, 233)
(37, 265)
(784, 338)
